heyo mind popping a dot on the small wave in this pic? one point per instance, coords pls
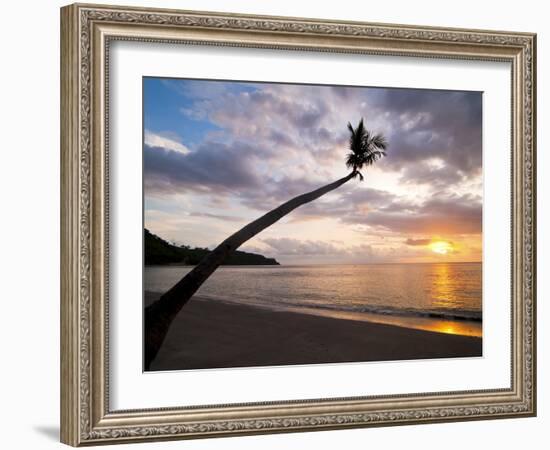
(458, 314)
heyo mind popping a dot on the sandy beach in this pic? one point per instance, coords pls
(212, 334)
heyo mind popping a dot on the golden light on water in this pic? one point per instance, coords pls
(441, 247)
(461, 328)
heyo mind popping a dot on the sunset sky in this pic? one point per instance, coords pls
(220, 154)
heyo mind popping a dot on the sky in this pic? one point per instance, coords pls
(219, 154)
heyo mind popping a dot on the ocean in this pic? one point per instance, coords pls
(442, 297)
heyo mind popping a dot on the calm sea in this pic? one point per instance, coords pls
(444, 297)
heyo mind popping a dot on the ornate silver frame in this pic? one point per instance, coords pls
(86, 32)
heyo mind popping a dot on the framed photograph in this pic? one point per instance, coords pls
(276, 224)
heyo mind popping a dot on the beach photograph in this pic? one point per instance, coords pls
(294, 224)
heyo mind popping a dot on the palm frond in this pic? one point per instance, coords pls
(357, 137)
(378, 141)
(370, 158)
(366, 148)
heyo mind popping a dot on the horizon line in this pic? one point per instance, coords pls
(320, 264)
(376, 263)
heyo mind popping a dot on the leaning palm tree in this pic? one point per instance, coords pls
(365, 149)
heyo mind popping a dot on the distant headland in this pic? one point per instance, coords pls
(160, 252)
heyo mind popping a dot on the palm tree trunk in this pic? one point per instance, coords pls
(160, 314)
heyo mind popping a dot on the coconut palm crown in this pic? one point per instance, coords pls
(366, 148)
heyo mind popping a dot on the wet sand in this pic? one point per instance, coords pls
(213, 334)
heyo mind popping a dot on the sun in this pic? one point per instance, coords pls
(441, 247)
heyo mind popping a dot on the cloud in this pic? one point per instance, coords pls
(439, 216)
(314, 251)
(213, 167)
(417, 242)
(193, 113)
(426, 173)
(197, 89)
(442, 213)
(347, 202)
(429, 124)
(223, 217)
(157, 141)
(288, 246)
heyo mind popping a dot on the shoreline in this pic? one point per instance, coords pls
(458, 327)
(216, 334)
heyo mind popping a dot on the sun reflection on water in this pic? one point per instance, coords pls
(443, 287)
